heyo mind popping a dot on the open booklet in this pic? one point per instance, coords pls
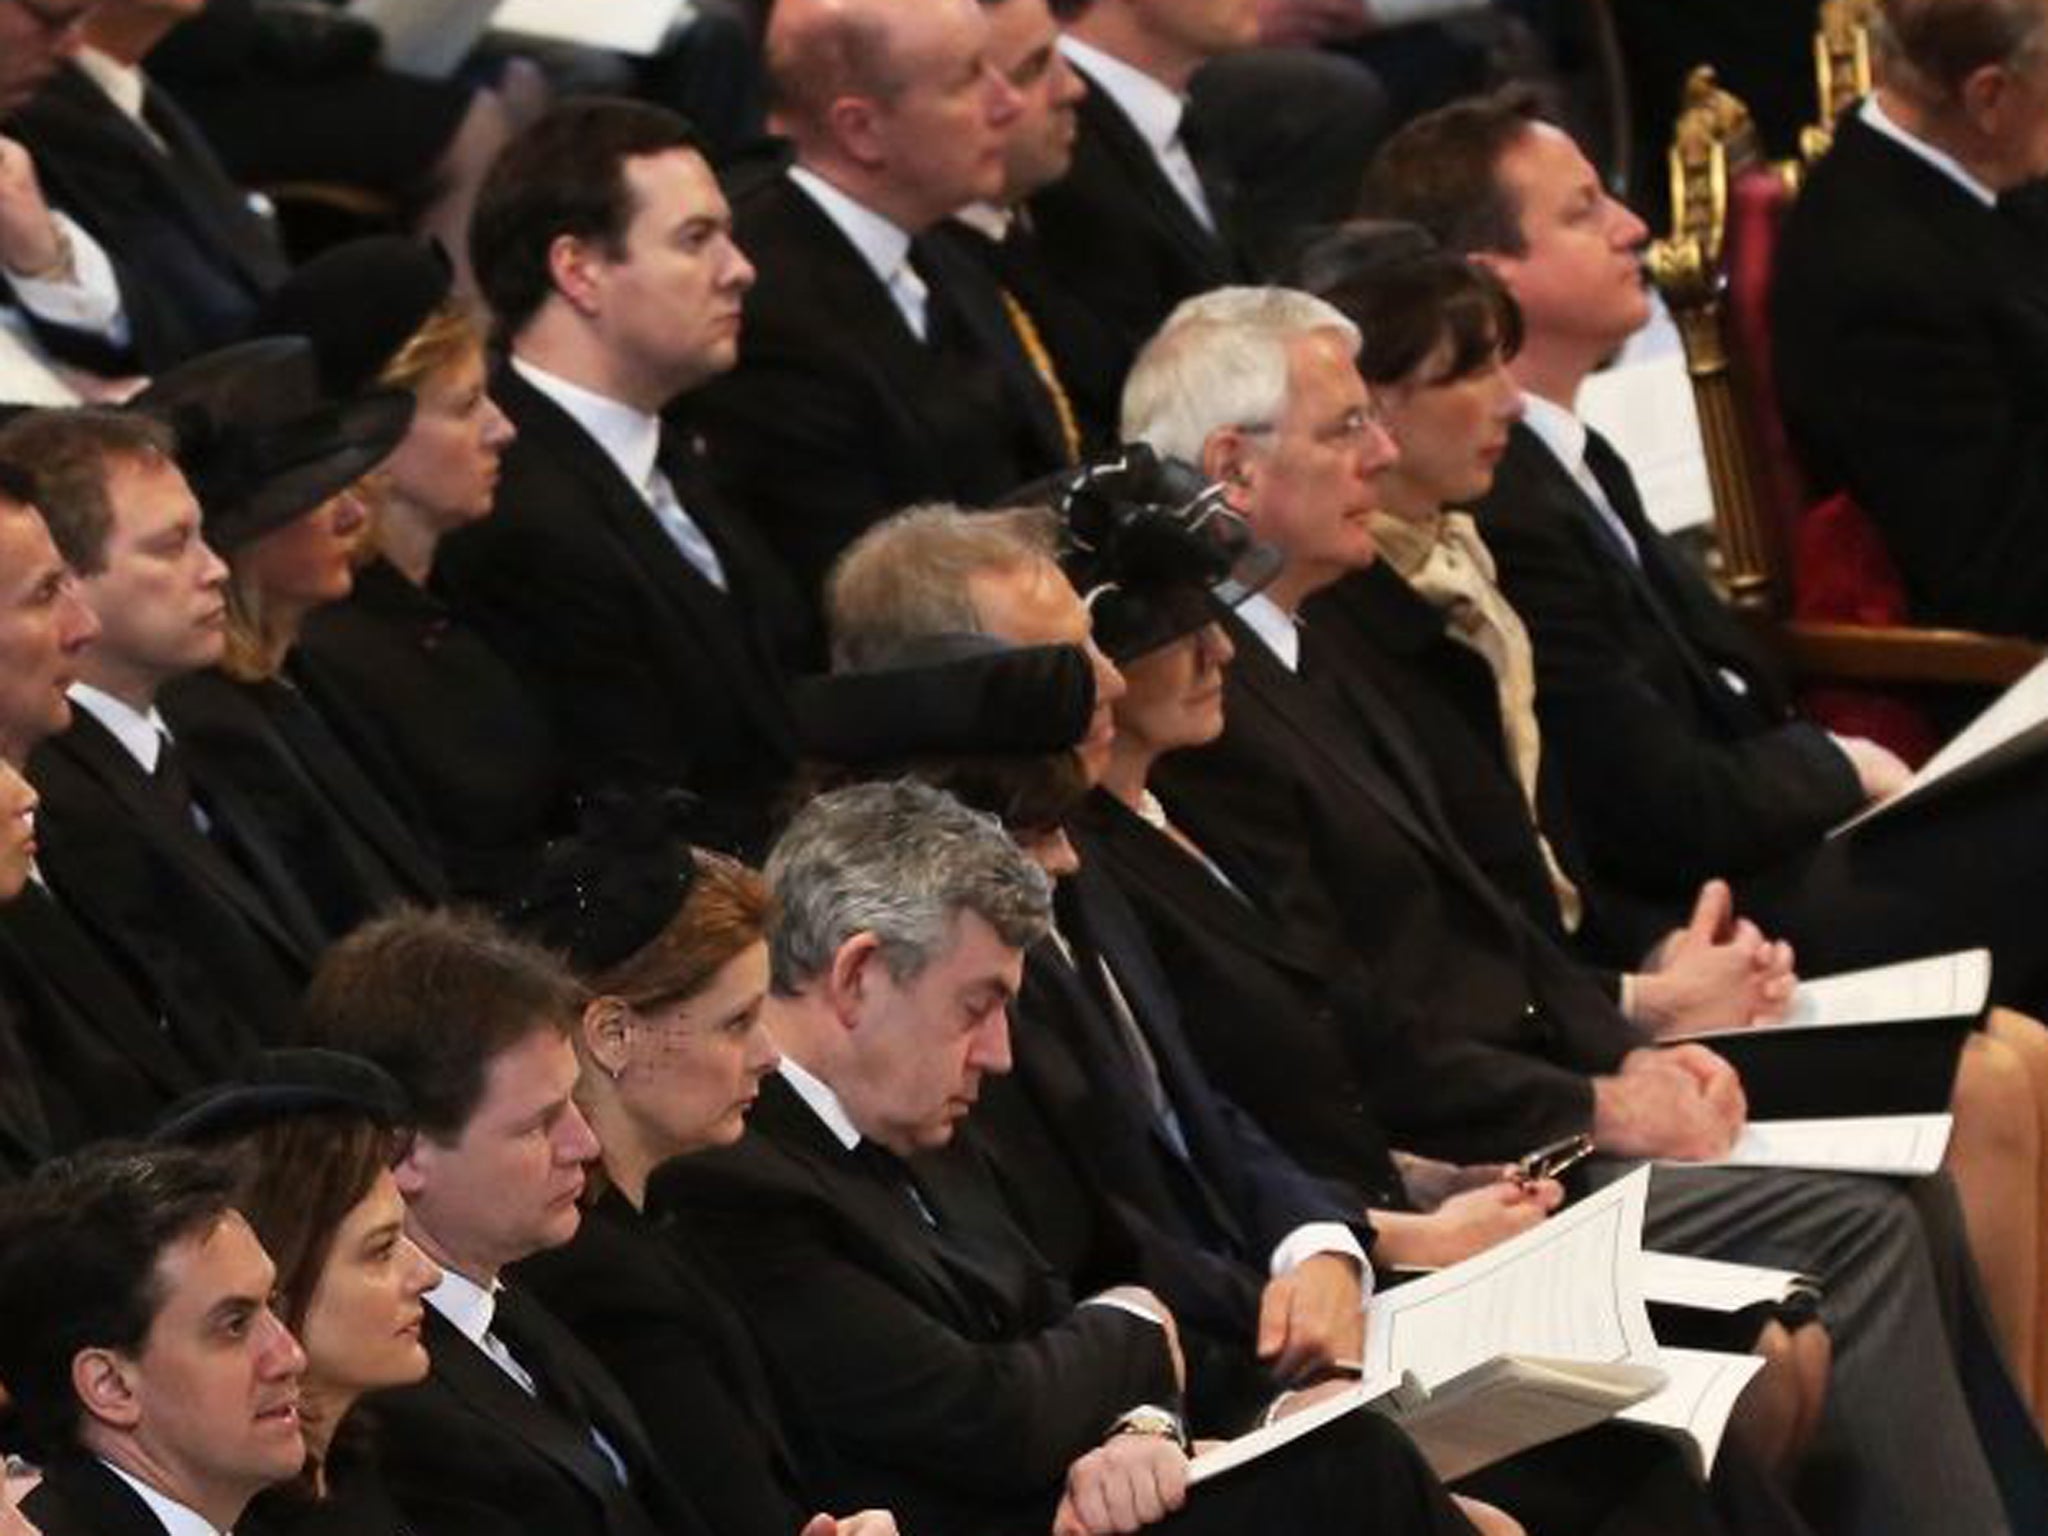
(1904, 1146)
(1884, 1041)
(2012, 727)
(1536, 1338)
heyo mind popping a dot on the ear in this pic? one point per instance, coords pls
(856, 967)
(856, 126)
(104, 1382)
(606, 1032)
(1986, 96)
(575, 267)
(410, 1172)
(1227, 456)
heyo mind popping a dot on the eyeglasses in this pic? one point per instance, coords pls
(55, 20)
(1353, 426)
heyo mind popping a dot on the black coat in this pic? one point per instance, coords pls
(1274, 1016)
(1498, 1029)
(351, 851)
(1910, 325)
(25, 1134)
(947, 1371)
(1674, 775)
(468, 1453)
(442, 724)
(631, 1290)
(80, 1497)
(1115, 231)
(648, 673)
(105, 1056)
(837, 414)
(191, 256)
(214, 923)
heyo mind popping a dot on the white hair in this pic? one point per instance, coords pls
(1220, 360)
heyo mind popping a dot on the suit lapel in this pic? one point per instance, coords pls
(92, 751)
(213, 203)
(1121, 141)
(79, 1497)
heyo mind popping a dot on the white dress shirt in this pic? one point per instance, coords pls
(631, 439)
(1155, 110)
(1565, 436)
(177, 1519)
(882, 244)
(140, 734)
(1277, 629)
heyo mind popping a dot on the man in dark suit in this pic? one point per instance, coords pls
(190, 257)
(1910, 311)
(97, 1050)
(1672, 731)
(1258, 1260)
(952, 1369)
(877, 368)
(1316, 788)
(517, 1427)
(148, 1374)
(176, 870)
(644, 617)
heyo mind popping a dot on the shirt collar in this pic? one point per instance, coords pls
(630, 437)
(1274, 626)
(988, 219)
(1874, 118)
(882, 245)
(1559, 430)
(123, 84)
(465, 1304)
(177, 1519)
(824, 1103)
(1153, 108)
(141, 734)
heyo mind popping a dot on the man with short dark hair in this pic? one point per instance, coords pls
(517, 1426)
(876, 368)
(146, 1368)
(1913, 273)
(646, 620)
(187, 882)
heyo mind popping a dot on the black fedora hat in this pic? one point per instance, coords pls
(358, 303)
(259, 439)
(945, 696)
(1153, 550)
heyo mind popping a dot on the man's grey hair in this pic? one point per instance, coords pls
(907, 577)
(902, 861)
(1220, 360)
(1928, 48)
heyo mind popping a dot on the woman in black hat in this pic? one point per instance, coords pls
(670, 940)
(314, 1135)
(422, 698)
(275, 462)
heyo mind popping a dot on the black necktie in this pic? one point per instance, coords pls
(555, 1381)
(173, 781)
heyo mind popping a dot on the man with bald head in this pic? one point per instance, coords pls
(875, 368)
(1911, 309)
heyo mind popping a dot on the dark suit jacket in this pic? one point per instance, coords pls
(649, 673)
(1118, 234)
(467, 1452)
(80, 1497)
(441, 722)
(192, 257)
(209, 920)
(1674, 775)
(837, 414)
(1498, 1028)
(25, 1133)
(351, 851)
(630, 1289)
(1911, 346)
(1266, 1008)
(105, 1056)
(946, 1369)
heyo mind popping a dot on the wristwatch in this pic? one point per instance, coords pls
(1149, 1419)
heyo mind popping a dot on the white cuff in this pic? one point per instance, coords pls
(89, 300)
(1314, 1237)
(1125, 1304)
